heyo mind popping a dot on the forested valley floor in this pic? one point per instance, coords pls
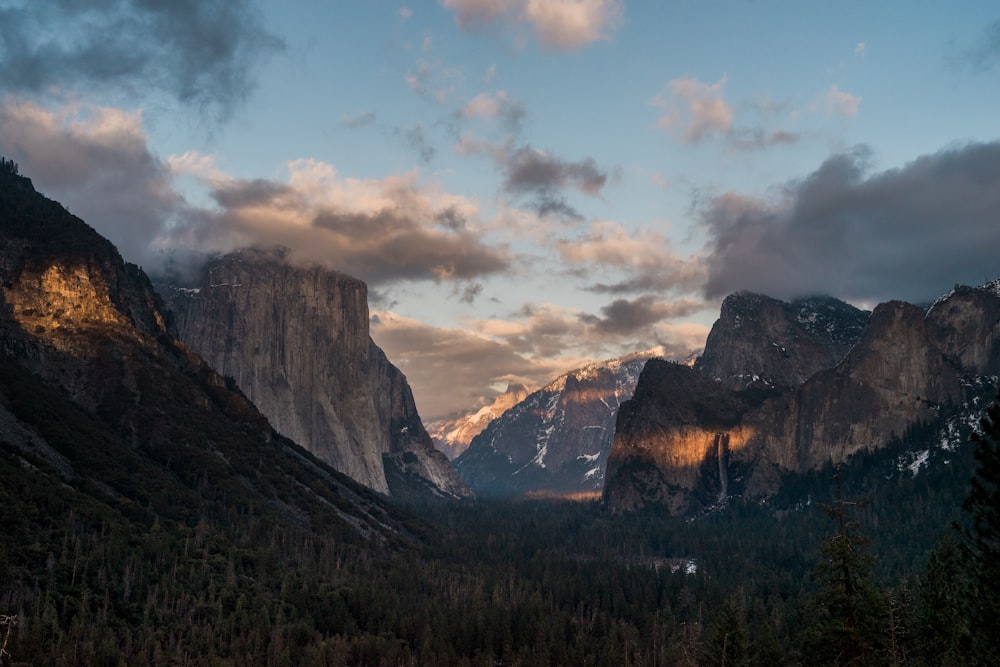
(872, 576)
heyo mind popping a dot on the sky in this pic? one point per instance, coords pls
(525, 185)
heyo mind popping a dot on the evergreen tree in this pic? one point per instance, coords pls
(849, 613)
(941, 627)
(982, 537)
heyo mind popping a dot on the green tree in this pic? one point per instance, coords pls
(982, 537)
(941, 628)
(848, 621)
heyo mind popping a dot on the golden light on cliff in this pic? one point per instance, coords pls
(687, 446)
(60, 297)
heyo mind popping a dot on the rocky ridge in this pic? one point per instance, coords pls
(453, 436)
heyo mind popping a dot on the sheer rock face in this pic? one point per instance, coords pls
(296, 342)
(905, 365)
(557, 439)
(764, 342)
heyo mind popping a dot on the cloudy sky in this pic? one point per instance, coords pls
(526, 185)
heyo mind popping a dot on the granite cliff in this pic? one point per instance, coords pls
(802, 337)
(296, 341)
(680, 438)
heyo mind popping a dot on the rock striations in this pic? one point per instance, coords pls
(686, 442)
(296, 341)
(555, 441)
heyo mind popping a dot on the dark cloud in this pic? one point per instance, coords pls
(623, 316)
(451, 218)
(256, 192)
(984, 54)
(201, 53)
(549, 203)
(359, 121)
(470, 293)
(907, 233)
(753, 139)
(416, 139)
(530, 170)
(109, 178)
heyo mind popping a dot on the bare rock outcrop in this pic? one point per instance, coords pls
(296, 341)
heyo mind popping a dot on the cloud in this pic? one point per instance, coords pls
(532, 172)
(433, 82)
(416, 139)
(549, 331)
(382, 231)
(907, 233)
(859, 49)
(696, 108)
(758, 139)
(984, 54)
(643, 258)
(451, 369)
(497, 105)
(624, 316)
(358, 121)
(200, 53)
(558, 25)
(567, 25)
(842, 103)
(99, 162)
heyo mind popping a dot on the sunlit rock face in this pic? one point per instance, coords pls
(296, 341)
(674, 441)
(904, 367)
(555, 441)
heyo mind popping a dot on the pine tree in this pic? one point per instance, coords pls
(982, 537)
(849, 613)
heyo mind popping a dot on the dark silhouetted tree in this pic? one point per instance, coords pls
(982, 537)
(848, 612)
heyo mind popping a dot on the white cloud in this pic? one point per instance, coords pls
(559, 25)
(697, 109)
(485, 105)
(842, 103)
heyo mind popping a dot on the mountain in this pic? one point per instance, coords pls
(105, 414)
(453, 436)
(688, 439)
(556, 440)
(296, 341)
(759, 341)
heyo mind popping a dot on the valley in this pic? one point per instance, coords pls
(200, 474)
